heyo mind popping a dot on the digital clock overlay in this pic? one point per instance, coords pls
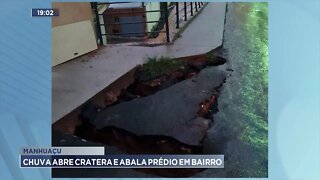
(44, 12)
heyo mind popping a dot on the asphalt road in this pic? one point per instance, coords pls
(240, 128)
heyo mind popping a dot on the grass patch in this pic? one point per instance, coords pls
(155, 67)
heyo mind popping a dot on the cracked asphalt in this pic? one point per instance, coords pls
(240, 128)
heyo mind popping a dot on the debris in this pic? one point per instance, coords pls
(206, 106)
(110, 98)
(169, 112)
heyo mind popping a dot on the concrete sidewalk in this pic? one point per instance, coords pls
(76, 81)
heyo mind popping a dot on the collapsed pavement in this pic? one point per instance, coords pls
(171, 119)
(171, 112)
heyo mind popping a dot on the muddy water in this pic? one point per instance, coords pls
(240, 130)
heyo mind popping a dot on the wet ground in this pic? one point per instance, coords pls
(240, 130)
(167, 109)
(238, 127)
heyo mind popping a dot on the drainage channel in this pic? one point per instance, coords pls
(142, 82)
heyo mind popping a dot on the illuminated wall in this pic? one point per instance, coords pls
(72, 31)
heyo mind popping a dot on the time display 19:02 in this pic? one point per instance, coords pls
(45, 12)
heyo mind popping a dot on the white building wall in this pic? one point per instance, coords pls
(72, 31)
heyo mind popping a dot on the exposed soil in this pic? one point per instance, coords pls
(145, 85)
(130, 143)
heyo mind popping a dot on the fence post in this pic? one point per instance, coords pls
(191, 8)
(166, 15)
(195, 4)
(177, 15)
(98, 28)
(185, 11)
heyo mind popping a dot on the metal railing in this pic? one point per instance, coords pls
(163, 21)
(184, 10)
(187, 8)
